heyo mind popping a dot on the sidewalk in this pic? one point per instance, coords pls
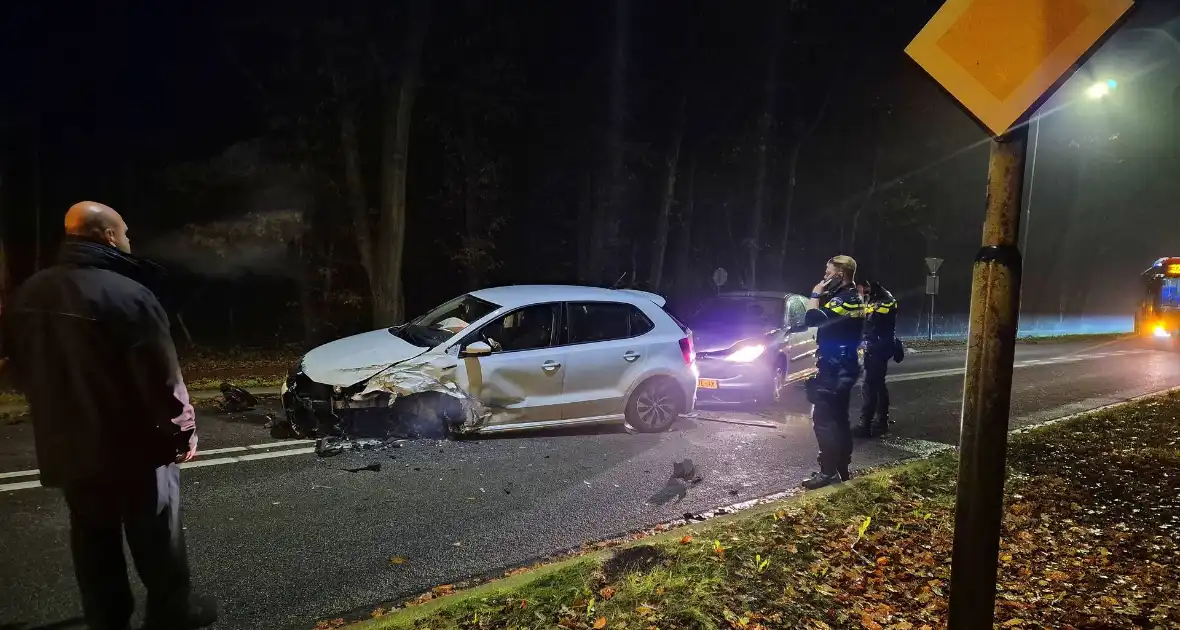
(1091, 538)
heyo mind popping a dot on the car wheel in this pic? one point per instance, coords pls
(654, 406)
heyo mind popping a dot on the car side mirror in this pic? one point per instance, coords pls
(476, 349)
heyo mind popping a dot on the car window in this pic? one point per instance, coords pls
(640, 324)
(528, 328)
(603, 321)
(796, 311)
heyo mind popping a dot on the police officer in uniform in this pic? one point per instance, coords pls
(837, 311)
(880, 309)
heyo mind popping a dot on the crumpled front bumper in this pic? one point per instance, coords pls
(307, 406)
(396, 404)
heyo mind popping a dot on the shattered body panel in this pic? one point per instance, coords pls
(401, 402)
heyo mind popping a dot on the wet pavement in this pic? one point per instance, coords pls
(285, 538)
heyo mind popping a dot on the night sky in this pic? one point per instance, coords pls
(112, 95)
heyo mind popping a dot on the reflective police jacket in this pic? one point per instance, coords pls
(880, 323)
(840, 320)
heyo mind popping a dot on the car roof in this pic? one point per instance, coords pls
(764, 294)
(521, 294)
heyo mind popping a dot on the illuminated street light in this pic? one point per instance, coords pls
(1102, 89)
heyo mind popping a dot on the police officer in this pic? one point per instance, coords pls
(880, 309)
(837, 311)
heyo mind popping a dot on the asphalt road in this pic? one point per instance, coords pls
(289, 539)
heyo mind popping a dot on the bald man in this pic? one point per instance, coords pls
(89, 345)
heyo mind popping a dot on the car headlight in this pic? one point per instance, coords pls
(746, 354)
(1160, 331)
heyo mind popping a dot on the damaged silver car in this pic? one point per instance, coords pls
(501, 359)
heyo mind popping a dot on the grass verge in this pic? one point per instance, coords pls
(1091, 539)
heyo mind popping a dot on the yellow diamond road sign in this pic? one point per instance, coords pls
(997, 57)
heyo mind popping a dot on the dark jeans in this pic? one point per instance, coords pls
(874, 393)
(146, 508)
(829, 413)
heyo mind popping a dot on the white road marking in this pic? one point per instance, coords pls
(255, 447)
(914, 376)
(283, 451)
(24, 485)
(1070, 358)
(248, 458)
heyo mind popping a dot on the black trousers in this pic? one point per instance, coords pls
(146, 508)
(829, 413)
(874, 393)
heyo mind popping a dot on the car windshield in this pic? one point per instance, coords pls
(444, 321)
(739, 311)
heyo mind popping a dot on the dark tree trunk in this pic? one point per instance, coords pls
(872, 190)
(601, 247)
(381, 239)
(765, 124)
(472, 216)
(659, 248)
(780, 259)
(684, 235)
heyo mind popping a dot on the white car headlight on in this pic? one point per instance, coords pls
(746, 354)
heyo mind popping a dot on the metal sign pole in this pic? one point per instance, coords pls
(957, 48)
(987, 390)
(932, 265)
(930, 324)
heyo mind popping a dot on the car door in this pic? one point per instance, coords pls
(521, 380)
(800, 346)
(606, 351)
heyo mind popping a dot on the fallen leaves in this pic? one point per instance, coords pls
(397, 560)
(600, 623)
(864, 527)
(687, 538)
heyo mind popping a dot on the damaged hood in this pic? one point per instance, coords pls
(350, 360)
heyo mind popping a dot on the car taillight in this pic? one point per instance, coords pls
(687, 350)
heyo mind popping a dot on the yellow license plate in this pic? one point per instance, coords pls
(707, 383)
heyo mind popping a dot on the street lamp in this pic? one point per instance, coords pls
(1101, 90)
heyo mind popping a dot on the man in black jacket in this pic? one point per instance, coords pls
(89, 345)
